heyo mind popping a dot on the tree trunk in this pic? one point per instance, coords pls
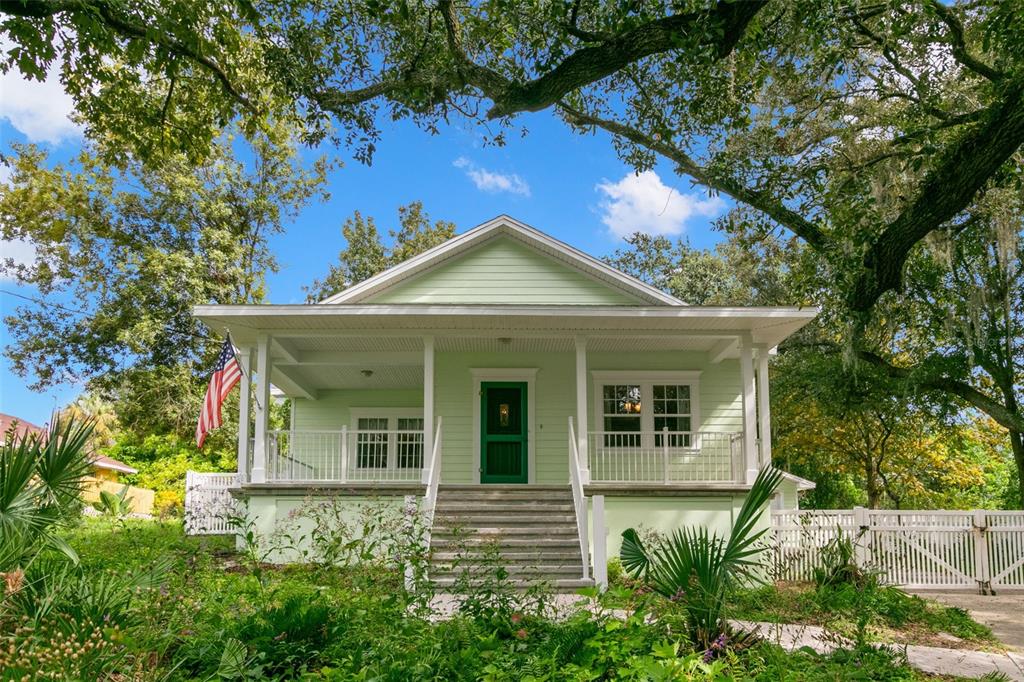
(1017, 443)
(871, 484)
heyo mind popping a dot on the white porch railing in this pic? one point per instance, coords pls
(579, 500)
(665, 457)
(345, 456)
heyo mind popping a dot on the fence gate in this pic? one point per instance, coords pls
(912, 549)
(1005, 531)
(208, 503)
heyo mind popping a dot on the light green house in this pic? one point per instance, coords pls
(518, 385)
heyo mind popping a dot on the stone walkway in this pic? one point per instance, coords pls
(929, 659)
(1003, 612)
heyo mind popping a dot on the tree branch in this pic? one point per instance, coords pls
(38, 9)
(722, 27)
(1009, 419)
(959, 47)
(762, 201)
(946, 190)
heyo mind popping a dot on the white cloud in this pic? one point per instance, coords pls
(488, 181)
(643, 203)
(39, 110)
(18, 250)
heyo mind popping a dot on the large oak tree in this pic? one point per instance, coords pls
(860, 127)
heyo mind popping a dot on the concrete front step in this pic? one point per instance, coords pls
(502, 506)
(486, 518)
(532, 565)
(496, 533)
(518, 555)
(441, 543)
(558, 585)
(504, 495)
(528, 530)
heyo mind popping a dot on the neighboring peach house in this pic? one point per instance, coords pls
(104, 474)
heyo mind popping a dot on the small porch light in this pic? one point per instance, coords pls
(366, 373)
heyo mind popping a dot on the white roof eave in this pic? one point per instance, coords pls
(766, 325)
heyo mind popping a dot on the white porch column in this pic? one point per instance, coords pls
(581, 409)
(243, 415)
(764, 411)
(259, 451)
(428, 407)
(749, 408)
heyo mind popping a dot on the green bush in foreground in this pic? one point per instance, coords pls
(210, 618)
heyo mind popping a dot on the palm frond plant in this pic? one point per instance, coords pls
(695, 567)
(40, 488)
(117, 505)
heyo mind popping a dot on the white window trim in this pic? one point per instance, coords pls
(646, 379)
(528, 375)
(392, 414)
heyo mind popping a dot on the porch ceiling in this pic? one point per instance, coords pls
(395, 327)
(355, 344)
(383, 376)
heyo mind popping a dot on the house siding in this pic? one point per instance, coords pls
(331, 410)
(665, 515)
(503, 271)
(790, 494)
(554, 401)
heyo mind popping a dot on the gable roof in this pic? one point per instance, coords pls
(509, 227)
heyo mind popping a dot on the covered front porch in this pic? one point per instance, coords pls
(406, 395)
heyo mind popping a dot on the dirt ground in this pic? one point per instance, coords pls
(1003, 612)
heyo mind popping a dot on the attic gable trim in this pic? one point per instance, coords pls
(587, 264)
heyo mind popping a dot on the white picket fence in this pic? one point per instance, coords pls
(208, 504)
(979, 549)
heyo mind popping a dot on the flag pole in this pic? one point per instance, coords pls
(241, 367)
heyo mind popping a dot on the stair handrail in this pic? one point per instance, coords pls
(578, 499)
(433, 479)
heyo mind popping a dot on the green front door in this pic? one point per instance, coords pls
(503, 432)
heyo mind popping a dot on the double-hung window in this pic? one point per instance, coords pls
(638, 409)
(388, 438)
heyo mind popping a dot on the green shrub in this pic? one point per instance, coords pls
(162, 462)
(838, 563)
(696, 568)
(211, 618)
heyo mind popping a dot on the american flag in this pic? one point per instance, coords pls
(225, 375)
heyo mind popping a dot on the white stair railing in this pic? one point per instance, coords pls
(578, 499)
(433, 480)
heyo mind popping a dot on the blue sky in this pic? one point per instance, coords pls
(568, 185)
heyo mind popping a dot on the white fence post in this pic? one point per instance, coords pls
(982, 571)
(600, 543)
(862, 536)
